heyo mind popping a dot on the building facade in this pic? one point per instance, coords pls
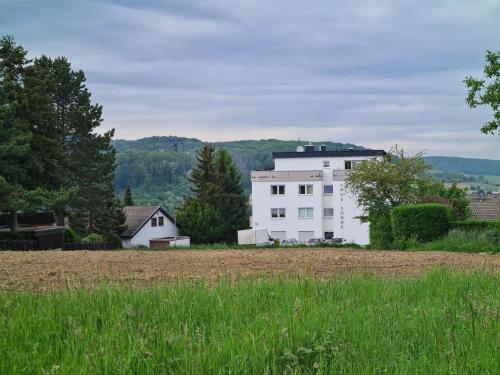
(305, 197)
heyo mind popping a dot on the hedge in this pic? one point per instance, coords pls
(381, 231)
(476, 225)
(422, 222)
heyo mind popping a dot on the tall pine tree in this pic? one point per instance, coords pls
(128, 200)
(219, 208)
(54, 157)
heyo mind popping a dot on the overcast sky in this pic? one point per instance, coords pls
(373, 73)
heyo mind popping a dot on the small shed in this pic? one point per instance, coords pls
(166, 242)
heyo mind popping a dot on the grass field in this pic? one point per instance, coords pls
(442, 322)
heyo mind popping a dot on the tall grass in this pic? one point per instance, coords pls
(471, 241)
(440, 323)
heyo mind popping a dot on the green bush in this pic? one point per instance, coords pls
(70, 236)
(114, 239)
(381, 236)
(422, 222)
(93, 238)
(476, 225)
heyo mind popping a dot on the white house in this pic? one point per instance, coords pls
(146, 223)
(304, 196)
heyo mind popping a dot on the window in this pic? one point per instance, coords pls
(327, 189)
(350, 164)
(305, 189)
(278, 213)
(153, 222)
(326, 163)
(160, 221)
(306, 213)
(328, 235)
(277, 189)
(328, 212)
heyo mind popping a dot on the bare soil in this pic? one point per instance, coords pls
(49, 270)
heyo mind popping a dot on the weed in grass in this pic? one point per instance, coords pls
(440, 323)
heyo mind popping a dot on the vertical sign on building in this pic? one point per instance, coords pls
(342, 206)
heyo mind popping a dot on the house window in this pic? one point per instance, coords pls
(326, 163)
(328, 235)
(328, 212)
(306, 212)
(277, 189)
(278, 213)
(327, 189)
(348, 164)
(305, 189)
(153, 222)
(160, 221)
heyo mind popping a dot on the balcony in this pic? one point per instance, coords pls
(284, 176)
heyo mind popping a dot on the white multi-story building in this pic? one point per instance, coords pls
(304, 196)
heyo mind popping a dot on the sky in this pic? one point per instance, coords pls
(373, 73)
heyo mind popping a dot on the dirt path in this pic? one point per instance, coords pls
(53, 269)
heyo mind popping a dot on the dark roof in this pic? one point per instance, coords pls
(485, 207)
(138, 216)
(322, 154)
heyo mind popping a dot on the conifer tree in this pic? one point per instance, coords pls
(232, 202)
(127, 198)
(15, 136)
(203, 177)
(219, 207)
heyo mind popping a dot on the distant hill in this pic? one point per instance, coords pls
(157, 167)
(486, 167)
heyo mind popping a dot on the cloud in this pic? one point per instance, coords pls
(373, 73)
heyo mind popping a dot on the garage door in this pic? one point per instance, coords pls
(278, 235)
(305, 236)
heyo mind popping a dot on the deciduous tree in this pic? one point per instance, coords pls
(486, 91)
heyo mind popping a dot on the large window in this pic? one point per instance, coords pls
(153, 222)
(278, 213)
(305, 189)
(277, 189)
(328, 212)
(306, 212)
(328, 189)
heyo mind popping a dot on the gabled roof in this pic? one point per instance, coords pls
(485, 207)
(138, 216)
(321, 154)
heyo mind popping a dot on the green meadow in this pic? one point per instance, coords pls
(442, 322)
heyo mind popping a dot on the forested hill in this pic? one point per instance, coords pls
(156, 167)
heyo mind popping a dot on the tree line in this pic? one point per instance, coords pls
(52, 157)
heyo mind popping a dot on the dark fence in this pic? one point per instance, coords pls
(18, 245)
(29, 245)
(89, 246)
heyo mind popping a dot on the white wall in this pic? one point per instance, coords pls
(263, 201)
(147, 232)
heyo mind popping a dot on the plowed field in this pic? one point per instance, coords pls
(54, 269)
